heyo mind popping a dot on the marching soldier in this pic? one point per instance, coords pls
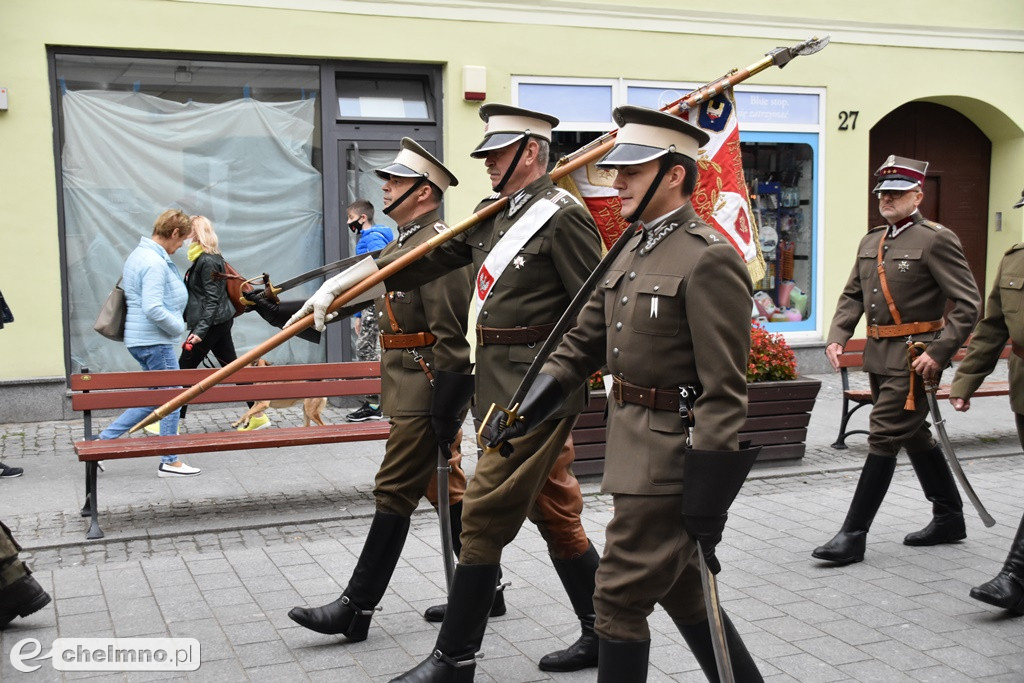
(680, 293)
(1004, 320)
(529, 260)
(426, 385)
(906, 272)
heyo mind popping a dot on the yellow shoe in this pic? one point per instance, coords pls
(154, 428)
(258, 422)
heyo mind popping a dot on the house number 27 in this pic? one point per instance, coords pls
(848, 120)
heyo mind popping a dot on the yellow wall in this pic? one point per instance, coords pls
(864, 69)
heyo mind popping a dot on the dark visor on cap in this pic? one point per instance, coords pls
(495, 141)
(400, 170)
(896, 183)
(628, 155)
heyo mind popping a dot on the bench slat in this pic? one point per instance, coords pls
(279, 437)
(271, 373)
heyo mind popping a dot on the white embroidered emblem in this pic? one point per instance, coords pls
(517, 202)
(518, 262)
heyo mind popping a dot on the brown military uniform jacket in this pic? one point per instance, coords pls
(440, 307)
(534, 290)
(925, 267)
(673, 309)
(1004, 319)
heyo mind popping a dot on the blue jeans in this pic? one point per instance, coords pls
(156, 357)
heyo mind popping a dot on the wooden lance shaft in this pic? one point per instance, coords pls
(581, 157)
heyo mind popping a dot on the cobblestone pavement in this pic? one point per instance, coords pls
(222, 558)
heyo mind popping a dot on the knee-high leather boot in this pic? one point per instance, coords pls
(623, 661)
(350, 614)
(848, 545)
(698, 638)
(947, 525)
(462, 631)
(435, 613)
(1007, 589)
(577, 577)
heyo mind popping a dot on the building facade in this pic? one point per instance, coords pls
(268, 116)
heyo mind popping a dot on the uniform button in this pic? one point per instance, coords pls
(872, 305)
(618, 326)
(632, 276)
(621, 375)
(480, 244)
(885, 248)
(1011, 283)
(625, 300)
(615, 352)
(485, 314)
(657, 287)
(875, 290)
(501, 233)
(607, 281)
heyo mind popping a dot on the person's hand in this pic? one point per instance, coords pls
(319, 303)
(500, 431)
(448, 401)
(926, 366)
(832, 351)
(708, 531)
(193, 339)
(357, 324)
(961, 405)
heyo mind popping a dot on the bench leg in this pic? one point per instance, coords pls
(93, 505)
(840, 442)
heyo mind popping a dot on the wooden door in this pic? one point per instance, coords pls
(956, 187)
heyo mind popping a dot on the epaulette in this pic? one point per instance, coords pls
(1016, 247)
(877, 228)
(932, 224)
(701, 229)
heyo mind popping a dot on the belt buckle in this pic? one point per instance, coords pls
(873, 332)
(617, 393)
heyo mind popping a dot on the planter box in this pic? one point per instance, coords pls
(777, 417)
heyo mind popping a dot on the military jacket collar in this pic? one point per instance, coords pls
(662, 227)
(412, 227)
(895, 230)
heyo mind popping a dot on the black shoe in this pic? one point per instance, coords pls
(1003, 591)
(942, 529)
(7, 472)
(848, 545)
(22, 598)
(366, 412)
(340, 617)
(435, 614)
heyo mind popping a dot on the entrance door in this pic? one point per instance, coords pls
(959, 159)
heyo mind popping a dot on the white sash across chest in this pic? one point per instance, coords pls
(532, 220)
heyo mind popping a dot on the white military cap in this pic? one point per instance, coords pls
(505, 124)
(646, 134)
(414, 162)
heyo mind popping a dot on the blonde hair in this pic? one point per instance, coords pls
(202, 232)
(171, 220)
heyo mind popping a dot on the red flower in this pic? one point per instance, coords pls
(770, 357)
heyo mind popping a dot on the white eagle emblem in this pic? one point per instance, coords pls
(518, 262)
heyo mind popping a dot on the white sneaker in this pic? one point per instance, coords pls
(182, 470)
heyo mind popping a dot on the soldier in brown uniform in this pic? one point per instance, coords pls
(530, 261)
(1004, 320)
(680, 293)
(426, 386)
(20, 594)
(924, 268)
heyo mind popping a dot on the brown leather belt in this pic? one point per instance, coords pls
(656, 399)
(904, 329)
(1017, 349)
(412, 340)
(512, 335)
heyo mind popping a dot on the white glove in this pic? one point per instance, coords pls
(332, 289)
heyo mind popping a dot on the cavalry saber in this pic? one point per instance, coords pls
(444, 514)
(315, 273)
(714, 608)
(930, 388)
(581, 157)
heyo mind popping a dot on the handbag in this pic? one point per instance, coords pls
(110, 321)
(237, 287)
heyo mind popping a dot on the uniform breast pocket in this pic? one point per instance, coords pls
(527, 265)
(903, 264)
(609, 286)
(401, 299)
(867, 263)
(657, 307)
(1011, 292)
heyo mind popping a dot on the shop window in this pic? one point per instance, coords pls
(382, 99)
(235, 141)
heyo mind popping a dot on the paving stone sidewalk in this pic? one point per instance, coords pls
(222, 558)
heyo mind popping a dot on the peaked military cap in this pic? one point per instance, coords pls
(900, 173)
(646, 134)
(1020, 202)
(414, 162)
(505, 124)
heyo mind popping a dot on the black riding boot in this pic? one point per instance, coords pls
(848, 545)
(698, 638)
(947, 525)
(623, 661)
(577, 577)
(1007, 589)
(350, 614)
(462, 631)
(435, 613)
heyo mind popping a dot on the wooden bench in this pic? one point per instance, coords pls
(121, 390)
(855, 399)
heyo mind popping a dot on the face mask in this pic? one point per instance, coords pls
(355, 226)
